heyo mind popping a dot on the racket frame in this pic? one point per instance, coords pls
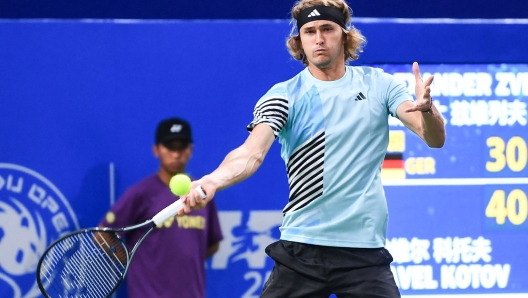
(159, 218)
(129, 254)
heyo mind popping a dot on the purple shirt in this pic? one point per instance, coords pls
(170, 261)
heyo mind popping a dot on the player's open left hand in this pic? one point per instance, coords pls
(194, 200)
(424, 102)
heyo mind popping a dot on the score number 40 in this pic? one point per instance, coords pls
(514, 154)
(502, 207)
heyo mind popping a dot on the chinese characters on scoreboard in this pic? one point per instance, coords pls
(481, 97)
(446, 263)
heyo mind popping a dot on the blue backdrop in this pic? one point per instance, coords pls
(79, 101)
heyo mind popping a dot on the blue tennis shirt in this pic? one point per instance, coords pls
(334, 136)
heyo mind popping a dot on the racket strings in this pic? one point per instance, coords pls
(87, 264)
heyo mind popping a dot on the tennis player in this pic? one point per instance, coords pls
(332, 122)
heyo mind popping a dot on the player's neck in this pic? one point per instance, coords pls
(331, 73)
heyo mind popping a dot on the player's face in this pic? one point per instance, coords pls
(173, 155)
(323, 43)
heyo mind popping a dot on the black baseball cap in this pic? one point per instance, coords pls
(173, 129)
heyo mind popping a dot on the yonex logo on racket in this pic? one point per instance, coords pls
(314, 13)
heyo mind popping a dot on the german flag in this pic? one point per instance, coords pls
(393, 166)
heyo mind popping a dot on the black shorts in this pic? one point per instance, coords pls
(313, 271)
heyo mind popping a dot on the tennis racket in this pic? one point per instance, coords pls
(93, 262)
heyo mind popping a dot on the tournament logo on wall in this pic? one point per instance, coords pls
(241, 254)
(33, 213)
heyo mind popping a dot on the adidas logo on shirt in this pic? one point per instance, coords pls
(314, 13)
(360, 96)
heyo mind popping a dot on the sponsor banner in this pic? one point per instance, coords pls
(482, 265)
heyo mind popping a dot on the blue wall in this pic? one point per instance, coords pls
(93, 91)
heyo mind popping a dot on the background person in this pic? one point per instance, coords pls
(170, 262)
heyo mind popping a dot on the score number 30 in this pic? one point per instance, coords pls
(514, 154)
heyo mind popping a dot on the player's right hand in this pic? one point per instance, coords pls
(193, 200)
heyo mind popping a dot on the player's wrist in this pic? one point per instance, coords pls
(210, 181)
(430, 110)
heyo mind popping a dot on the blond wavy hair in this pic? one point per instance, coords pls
(354, 40)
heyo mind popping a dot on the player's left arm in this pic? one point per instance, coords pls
(422, 117)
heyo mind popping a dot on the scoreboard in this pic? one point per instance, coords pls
(459, 215)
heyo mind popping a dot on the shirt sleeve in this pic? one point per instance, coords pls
(213, 228)
(273, 111)
(396, 93)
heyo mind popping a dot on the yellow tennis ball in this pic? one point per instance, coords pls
(180, 184)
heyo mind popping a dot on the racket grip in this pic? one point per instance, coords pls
(173, 208)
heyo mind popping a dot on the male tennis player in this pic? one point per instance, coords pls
(332, 122)
(170, 262)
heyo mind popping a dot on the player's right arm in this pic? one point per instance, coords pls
(242, 162)
(237, 166)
